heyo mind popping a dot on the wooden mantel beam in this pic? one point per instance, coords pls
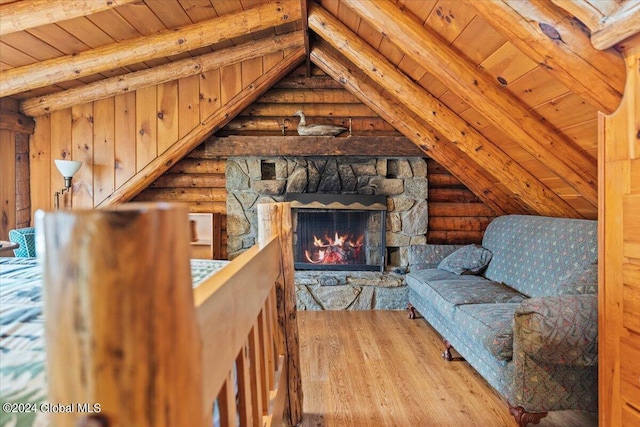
(213, 123)
(25, 14)
(431, 142)
(598, 77)
(534, 135)
(101, 89)
(517, 179)
(165, 43)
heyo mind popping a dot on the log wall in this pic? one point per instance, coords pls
(456, 215)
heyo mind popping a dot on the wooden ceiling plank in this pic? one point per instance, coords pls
(158, 166)
(531, 191)
(478, 89)
(569, 56)
(26, 14)
(121, 84)
(396, 114)
(165, 43)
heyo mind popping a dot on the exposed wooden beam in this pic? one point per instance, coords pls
(559, 44)
(165, 43)
(617, 27)
(432, 143)
(187, 67)
(531, 132)
(610, 22)
(517, 179)
(277, 146)
(25, 14)
(221, 117)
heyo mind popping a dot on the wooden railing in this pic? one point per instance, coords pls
(125, 330)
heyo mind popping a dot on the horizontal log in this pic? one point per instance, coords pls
(183, 194)
(16, 122)
(310, 110)
(469, 223)
(335, 96)
(454, 237)
(274, 124)
(445, 209)
(301, 82)
(443, 180)
(272, 146)
(198, 166)
(206, 207)
(453, 195)
(175, 180)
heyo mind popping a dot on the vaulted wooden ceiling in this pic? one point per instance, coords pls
(503, 93)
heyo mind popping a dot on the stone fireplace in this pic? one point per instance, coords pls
(398, 183)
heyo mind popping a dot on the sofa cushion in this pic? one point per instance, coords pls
(489, 325)
(445, 295)
(470, 259)
(582, 279)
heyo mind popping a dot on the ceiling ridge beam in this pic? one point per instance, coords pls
(196, 136)
(26, 14)
(101, 89)
(534, 135)
(517, 179)
(432, 143)
(164, 43)
(556, 42)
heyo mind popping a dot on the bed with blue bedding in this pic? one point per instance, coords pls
(22, 347)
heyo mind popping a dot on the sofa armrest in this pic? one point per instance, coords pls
(422, 257)
(559, 329)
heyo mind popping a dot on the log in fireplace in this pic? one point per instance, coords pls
(338, 231)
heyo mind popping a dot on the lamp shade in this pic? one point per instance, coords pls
(68, 168)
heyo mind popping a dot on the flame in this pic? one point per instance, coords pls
(341, 249)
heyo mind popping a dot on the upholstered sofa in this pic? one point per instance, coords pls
(528, 321)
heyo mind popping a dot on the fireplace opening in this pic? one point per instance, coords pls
(338, 232)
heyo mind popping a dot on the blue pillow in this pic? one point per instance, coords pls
(470, 259)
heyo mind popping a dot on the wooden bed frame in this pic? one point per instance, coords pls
(125, 330)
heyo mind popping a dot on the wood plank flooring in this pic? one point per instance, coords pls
(378, 368)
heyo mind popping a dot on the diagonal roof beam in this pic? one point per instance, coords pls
(563, 49)
(513, 176)
(531, 132)
(165, 43)
(101, 89)
(430, 141)
(26, 14)
(213, 123)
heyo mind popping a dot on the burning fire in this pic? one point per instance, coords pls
(341, 249)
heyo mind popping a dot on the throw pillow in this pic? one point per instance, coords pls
(470, 259)
(581, 279)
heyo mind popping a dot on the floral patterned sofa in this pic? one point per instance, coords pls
(527, 322)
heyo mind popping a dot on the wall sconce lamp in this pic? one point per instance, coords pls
(67, 169)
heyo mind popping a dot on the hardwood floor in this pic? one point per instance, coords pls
(378, 368)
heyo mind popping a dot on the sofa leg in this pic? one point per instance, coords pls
(412, 311)
(524, 418)
(446, 354)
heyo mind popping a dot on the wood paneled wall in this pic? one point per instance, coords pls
(619, 327)
(117, 137)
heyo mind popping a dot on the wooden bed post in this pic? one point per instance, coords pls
(275, 219)
(121, 329)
